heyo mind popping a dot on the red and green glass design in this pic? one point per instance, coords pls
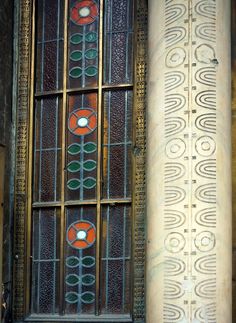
(82, 147)
(83, 43)
(70, 160)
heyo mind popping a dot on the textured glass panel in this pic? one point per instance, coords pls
(116, 253)
(47, 150)
(118, 42)
(81, 147)
(117, 144)
(45, 262)
(49, 54)
(80, 267)
(83, 43)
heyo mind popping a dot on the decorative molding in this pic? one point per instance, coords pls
(21, 157)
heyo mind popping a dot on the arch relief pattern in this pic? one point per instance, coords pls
(190, 167)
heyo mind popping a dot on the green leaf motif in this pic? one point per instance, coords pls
(89, 182)
(89, 165)
(73, 166)
(76, 39)
(91, 71)
(91, 53)
(91, 37)
(72, 280)
(72, 297)
(74, 149)
(88, 297)
(90, 147)
(88, 280)
(76, 55)
(88, 261)
(72, 262)
(75, 72)
(73, 184)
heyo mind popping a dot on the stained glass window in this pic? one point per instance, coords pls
(82, 160)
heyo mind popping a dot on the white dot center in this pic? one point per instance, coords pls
(206, 145)
(174, 148)
(82, 122)
(174, 242)
(84, 12)
(205, 241)
(81, 235)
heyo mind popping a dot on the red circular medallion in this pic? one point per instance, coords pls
(81, 234)
(84, 12)
(82, 121)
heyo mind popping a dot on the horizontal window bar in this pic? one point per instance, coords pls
(82, 318)
(45, 260)
(84, 90)
(111, 202)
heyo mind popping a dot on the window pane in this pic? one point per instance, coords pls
(45, 261)
(81, 147)
(118, 41)
(80, 256)
(47, 150)
(116, 260)
(83, 43)
(117, 144)
(49, 31)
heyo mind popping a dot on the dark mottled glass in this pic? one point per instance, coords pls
(47, 150)
(45, 261)
(116, 253)
(118, 42)
(49, 42)
(82, 263)
(117, 144)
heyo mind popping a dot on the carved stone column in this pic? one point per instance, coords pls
(188, 164)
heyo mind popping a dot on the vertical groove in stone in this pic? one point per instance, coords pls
(188, 173)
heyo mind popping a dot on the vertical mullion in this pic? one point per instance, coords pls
(99, 136)
(30, 169)
(63, 163)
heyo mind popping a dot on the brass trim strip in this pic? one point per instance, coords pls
(139, 196)
(99, 157)
(63, 160)
(30, 169)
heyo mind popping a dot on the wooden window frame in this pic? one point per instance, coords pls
(23, 200)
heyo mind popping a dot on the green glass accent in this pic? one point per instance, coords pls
(91, 71)
(72, 297)
(76, 39)
(76, 55)
(72, 280)
(75, 72)
(73, 166)
(88, 297)
(89, 182)
(88, 261)
(91, 53)
(72, 262)
(89, 165)
(73, 184)
(90, 147)
(88, 279)
(74, 149)
(91, 37)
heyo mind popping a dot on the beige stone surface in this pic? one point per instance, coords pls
(189, 162)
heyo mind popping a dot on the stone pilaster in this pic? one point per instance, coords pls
(188, 163)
